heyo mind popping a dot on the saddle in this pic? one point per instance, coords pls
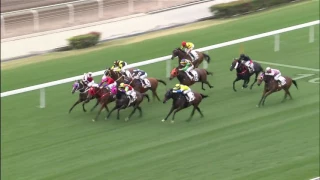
(193, 55)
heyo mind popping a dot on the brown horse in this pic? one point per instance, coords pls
(180, 102)
(122, 102)
(116, 75)
(181, 54)
(83, 92)
(271, 86)
(153, 85)
(200, 75)
(104, 98)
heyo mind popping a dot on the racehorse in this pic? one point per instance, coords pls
(153, 85)
(104, 97)
(181, 54)
(200, 75)
(180, 102)
(271, 86)
(122, 102)
(83, 92)
(244, 74)
(116, 75)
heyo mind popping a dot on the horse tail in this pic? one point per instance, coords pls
(163, 82)
(203, 96)
(295, 83)
(147, 96)
(209, 73)
(207, 57)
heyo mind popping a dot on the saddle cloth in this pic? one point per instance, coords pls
(195, 75)
(195, 54)
(147, 82)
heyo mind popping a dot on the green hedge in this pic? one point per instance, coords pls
(243, 6)
(84, 41)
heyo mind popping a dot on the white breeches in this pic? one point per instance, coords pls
(190, 68)
(110, 86)
(276, 77)
(143, 76)
(248, 64)
(132, 93)
(92, 84)
(186, 91)
(190, 95)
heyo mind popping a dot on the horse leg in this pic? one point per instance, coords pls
(155, 94)
(174, 113)
(265, 96)
(207, 83)
(245, 83)
(134, 110)
(234, 82)
(264, 92)
(255, 80)
(192, 113)
(96, 118)
(95, 105)
(79, 101)
(198, 109)
(140, 111)
(171, 110)
(114, 108)
(118, 113)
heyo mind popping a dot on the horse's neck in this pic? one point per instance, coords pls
(181, 76)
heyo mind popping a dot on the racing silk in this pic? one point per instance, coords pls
(273, 72)
(87, 79)
(127, 87)
(138, 72)
(182, 88)
(189, 64)
(108, 80)
(245, 58)
(189, 45)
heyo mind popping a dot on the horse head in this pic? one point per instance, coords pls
(77, 86)
(260, 78)
(235, 64)
(178, 53)
(174, 73)
(167, 96)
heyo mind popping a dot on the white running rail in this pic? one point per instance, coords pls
(166, 58)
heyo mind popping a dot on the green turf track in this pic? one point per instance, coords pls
(234, 141)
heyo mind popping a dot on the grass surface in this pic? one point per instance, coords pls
(234, 140)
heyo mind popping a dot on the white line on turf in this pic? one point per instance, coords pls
(289, 66)
(317, 178)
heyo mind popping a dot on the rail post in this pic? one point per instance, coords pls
(71, 13)
(168, 67)
(205, 64)
(277, 42)
(3, 27)
(311, 34)
(42, 98)
(100, 7)
(35, 20)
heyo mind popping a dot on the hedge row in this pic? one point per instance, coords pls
(84, 41)
(243, 6)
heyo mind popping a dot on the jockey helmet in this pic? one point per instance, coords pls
(242, 55)
(268, 69)
(177, 86)
(184, 43)
(121, 85)
(90, 74)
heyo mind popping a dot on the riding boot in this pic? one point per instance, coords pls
(279, 83)
(143, 83)
(191, 75)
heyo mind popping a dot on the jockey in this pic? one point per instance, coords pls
(88, 80)
(179, 88)
(109, 82)
(129, 91)
(188, 47)
(277, 76)
(118, 65)
(247, 61)
(142, 75)
(187, 67)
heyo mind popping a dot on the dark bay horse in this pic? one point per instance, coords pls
(104, 98)
(153, 83)
(117, 76)
(181, 54)
(244, 74)
(83, 92)
(180, 102)
(122, 102)
(271, 86)
(185, 80)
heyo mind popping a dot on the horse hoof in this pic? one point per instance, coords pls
(93, 120)
(106, 118)
(172, 121)
(126, 119)
(257, 106)
(163, 120)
